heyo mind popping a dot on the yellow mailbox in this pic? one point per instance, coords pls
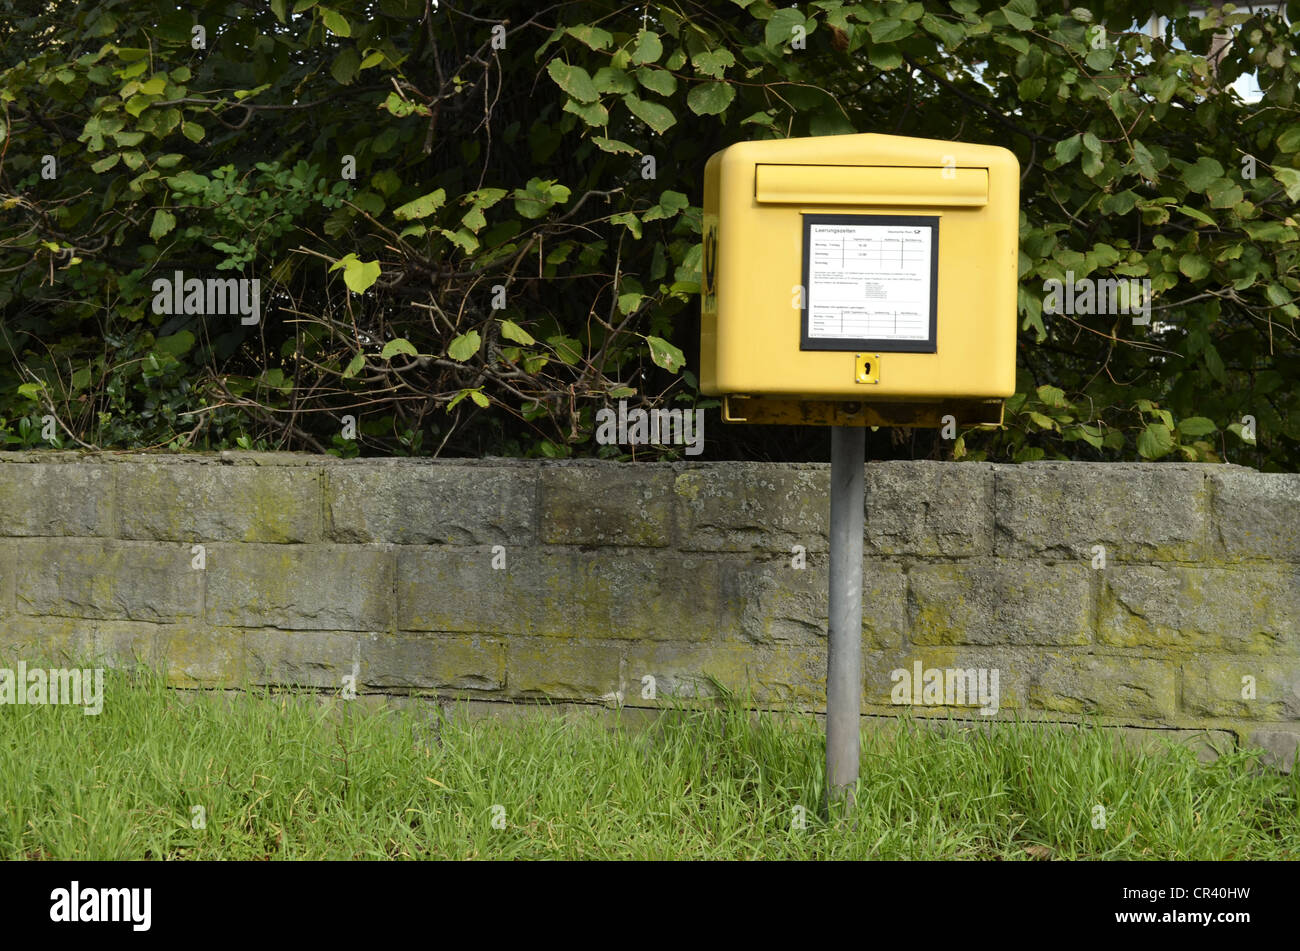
(860, 280)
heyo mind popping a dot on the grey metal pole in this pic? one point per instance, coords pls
(844, 657)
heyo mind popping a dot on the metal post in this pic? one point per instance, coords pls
(844, 657)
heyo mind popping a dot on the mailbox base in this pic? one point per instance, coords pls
(770, 411)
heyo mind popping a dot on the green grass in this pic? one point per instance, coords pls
(284, 777)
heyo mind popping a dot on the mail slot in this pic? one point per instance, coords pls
(860, 279)
(870, 185)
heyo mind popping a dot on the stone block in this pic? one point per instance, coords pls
(1209, 610)
(300, 587)
(607, 505)
(98, 578)
(436, 662)
(1136, 511)
(435, 504)
(1000, 602)
(193, 502)
(929, 508)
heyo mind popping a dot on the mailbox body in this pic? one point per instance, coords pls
(780, 216)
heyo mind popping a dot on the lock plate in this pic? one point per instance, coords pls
(866, 367)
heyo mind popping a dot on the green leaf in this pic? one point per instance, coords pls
(192, 131)
(612, 145)
(1052, 396)
(713, 62)
(31, 391)
(461, 238)
(1277, 295)
(1214, 363)
(163, 222)
(464, 346)
(335, 22)
(1238, 430)
(673, 202)
(1289, 178)
(1198, 177)
(512, 331)
(710, 99)
(354, 366)
(396, 346)
(358, 275)
(1019, 13)
(421, 207)
(949, 33)
(780, 28)
(1268, 231)
(487, 197)
(670, 203)
(566, 348)
(609, 79)
(664, 354)
(1198, 215)
(1224, 193)
(1155, 441)
(458, 397)
(648, 48)
(1089, 434)
(187, 181)
(1197, 426)
(657, 80)
(574, 80)
(478, 397)
(629, 221)
(176, 345)
(1067, 149)
(657, 117)
(890, 29)
(1289, 140)
(1194, 266)
(107, 162)
(538, 197)
(592, 113)
(592, 36)
(343, 69)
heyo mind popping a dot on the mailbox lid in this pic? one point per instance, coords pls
(944, 187)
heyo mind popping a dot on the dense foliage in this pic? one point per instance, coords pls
(475, 224)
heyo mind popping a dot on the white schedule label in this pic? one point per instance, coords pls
(869, 282)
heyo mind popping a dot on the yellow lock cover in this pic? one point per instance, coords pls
(819, 250)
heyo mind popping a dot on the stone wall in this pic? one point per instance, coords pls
(1148, 596)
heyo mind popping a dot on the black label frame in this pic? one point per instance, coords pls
(930, 344)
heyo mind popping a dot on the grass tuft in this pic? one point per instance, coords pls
(291, 777)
